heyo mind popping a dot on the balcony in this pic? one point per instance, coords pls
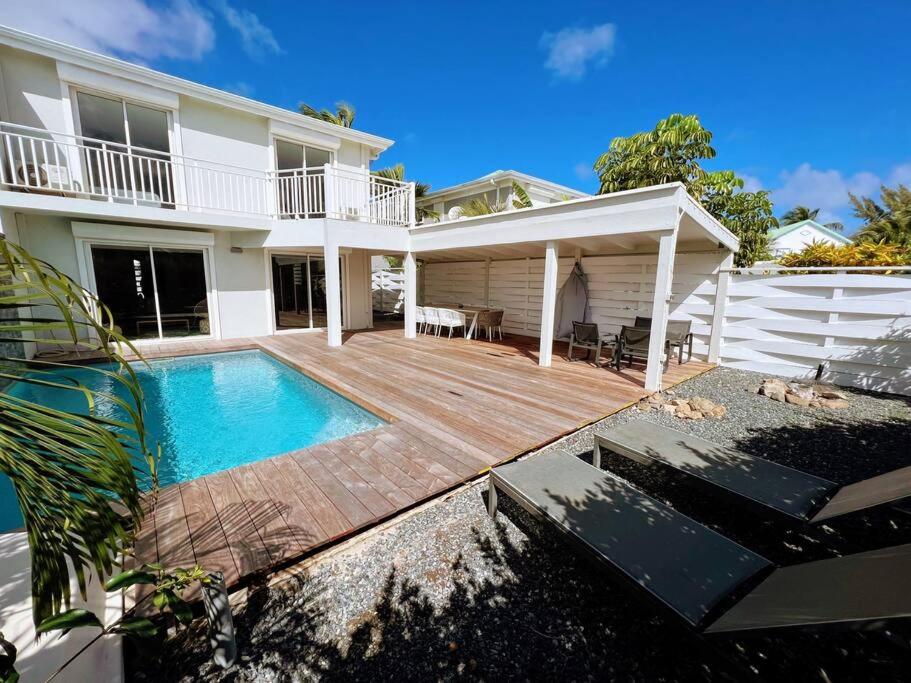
(43, 162)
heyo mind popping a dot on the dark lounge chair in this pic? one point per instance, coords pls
(792, 492)
(678, 335)
(632, 342)
(586, 336)
(694, 571)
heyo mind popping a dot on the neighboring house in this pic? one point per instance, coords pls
(197, 214)
(497, 187)
(796, 236)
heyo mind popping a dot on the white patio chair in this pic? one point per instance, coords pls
(419, 318)
(451, 319)
(431, 319)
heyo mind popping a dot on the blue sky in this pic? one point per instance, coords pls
(806, 99)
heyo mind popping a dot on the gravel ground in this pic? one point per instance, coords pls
(447, 593)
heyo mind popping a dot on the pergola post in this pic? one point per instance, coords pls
(549, 304)
(721, 300)
(411, 296)
(333, 294)
(667, 245)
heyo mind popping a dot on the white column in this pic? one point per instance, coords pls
(411, 295)
(550, 302)
(333, 294)
(666, 247)
(721, 301)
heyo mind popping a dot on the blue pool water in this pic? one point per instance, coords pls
(213, 412)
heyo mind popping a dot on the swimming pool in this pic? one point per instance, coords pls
(213, 412)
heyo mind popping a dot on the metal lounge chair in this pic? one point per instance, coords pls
(632, 342)
(786, 490)
(678, 335)
(586, 336)
(707, 580)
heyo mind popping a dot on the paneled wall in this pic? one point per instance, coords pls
(620, 288)
(859, 325)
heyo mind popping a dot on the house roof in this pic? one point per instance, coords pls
(791, 227)
(498, 176)
(141, 74)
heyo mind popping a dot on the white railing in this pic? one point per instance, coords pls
(39, 161)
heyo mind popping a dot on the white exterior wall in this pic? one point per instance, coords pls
(620, 288)
(223, 135)
(32, 93)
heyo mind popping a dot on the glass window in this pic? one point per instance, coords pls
(153, 292)
(317, 157)
(299, 291)
(180, 279)
(123, 278)
(101, 118)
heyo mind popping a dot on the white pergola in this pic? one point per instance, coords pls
(663, 218)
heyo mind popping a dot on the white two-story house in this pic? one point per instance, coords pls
(192, 212)
(197, 214)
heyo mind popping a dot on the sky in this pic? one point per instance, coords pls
(809, 100)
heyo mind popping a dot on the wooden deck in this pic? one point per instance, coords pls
(454, 408)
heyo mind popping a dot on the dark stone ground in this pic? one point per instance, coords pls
(449, 594)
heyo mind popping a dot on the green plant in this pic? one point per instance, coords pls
(342, 116)
(673, 152)
(73, 474)
(166, 597)
(8, 654)
(483, 206)
(889, 223)
(824, 254)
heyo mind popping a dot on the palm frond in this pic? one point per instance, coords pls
(73, 473)
(522, 200)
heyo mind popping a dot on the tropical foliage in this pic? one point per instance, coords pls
(73, 474)
(673, 152)
(397, 172)
(824, 254)
(483, 206)
(889, 223)
(166, 594)
(342, 116)
(804, 213)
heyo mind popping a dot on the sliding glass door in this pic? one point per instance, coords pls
(153, 292)
(299, 291)
(301, 186)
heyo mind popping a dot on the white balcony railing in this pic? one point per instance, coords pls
(36, 160)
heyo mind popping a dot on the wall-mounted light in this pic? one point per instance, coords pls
(237, 250)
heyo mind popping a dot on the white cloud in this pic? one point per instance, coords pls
(751, 183)
(130, 29)
(256, 39)
(824, 190)
(901, 175)
(572, 51)
(583, 170)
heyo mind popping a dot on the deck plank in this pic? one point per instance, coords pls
(265, 514)
(247, 547)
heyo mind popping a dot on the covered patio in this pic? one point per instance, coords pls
(653, 253)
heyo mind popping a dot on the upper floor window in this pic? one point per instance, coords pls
(301, 184)
(122, 122)
(137, 166)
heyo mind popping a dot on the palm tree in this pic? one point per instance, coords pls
(803, 213)
(890, 223)
(343, 116)
(74, 474)
(397, 173)
(483, 206)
